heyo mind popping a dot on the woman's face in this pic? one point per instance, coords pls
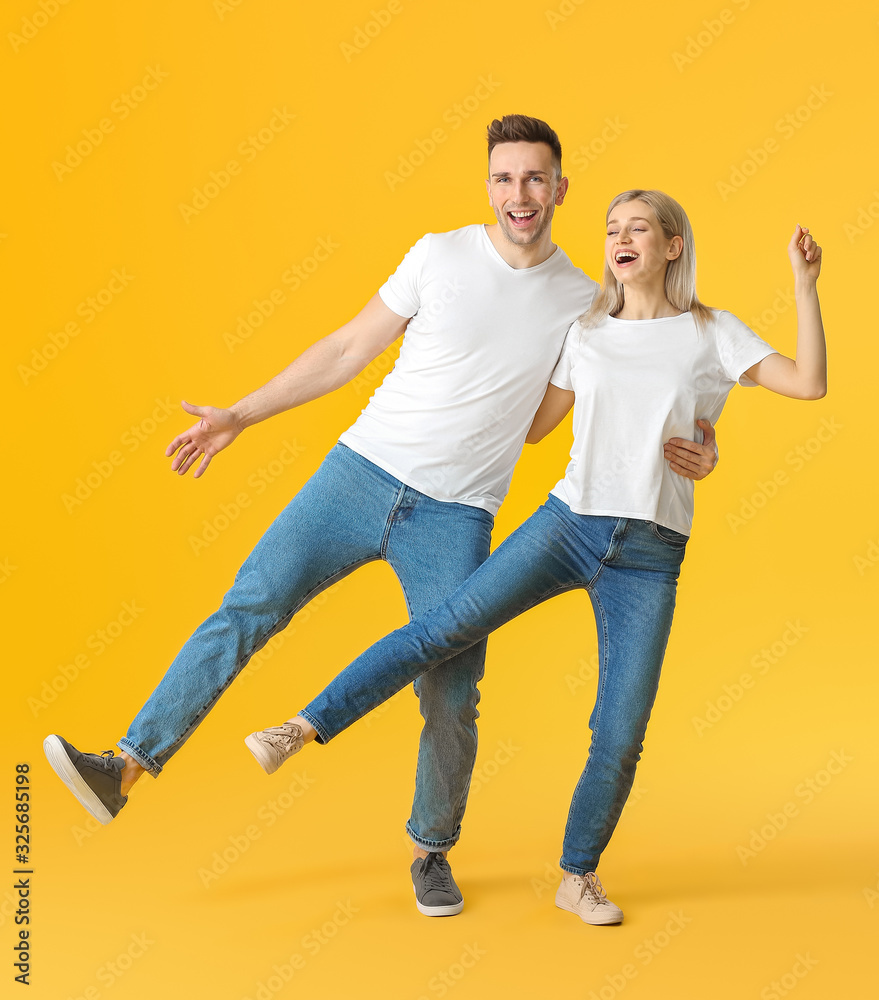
(636, 249)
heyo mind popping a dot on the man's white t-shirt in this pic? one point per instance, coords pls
(450, 419)
(637, 384)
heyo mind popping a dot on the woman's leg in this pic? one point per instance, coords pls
(537, 561)
(634, 598)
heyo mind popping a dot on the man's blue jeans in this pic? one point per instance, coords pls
(628, 567)
(348, 514)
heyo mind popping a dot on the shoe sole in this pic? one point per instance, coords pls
(63, 767)
(595, 923)
(449, 910)
(259, 753)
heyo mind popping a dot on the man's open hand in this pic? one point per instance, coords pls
(214, 430)
(691, 459)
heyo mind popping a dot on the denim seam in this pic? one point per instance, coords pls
(599, 699)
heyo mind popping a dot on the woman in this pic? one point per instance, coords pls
(644, 364)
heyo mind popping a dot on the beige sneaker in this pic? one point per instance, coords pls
(273, 746)
(585, 896)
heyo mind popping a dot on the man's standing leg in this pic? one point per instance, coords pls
(433, 547)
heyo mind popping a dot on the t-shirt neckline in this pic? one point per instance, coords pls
(517, 270)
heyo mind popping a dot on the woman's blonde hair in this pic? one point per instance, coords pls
(680, 274)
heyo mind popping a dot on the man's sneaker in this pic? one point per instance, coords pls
(273, 746)
(95, 779)
(436, 894)
(585, 896)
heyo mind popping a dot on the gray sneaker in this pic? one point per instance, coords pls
(585, 896)
(95, 779)
(273, 746)
(436, 894)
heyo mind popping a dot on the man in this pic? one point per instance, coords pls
(415, 481)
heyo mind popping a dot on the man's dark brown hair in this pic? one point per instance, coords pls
(521, 128)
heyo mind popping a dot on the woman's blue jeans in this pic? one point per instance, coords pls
(348, 514)
(628, 567)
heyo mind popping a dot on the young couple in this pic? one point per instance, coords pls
(493, 355)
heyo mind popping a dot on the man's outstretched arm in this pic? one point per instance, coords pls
(321, 368)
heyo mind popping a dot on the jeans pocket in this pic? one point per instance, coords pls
(673, 538)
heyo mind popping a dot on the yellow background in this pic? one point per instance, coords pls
(677, 97)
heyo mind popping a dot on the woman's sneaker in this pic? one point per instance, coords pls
(94, 778)
(585, 896)
(436, 894)
(273, 746)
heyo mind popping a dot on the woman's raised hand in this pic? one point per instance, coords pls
(805, 254)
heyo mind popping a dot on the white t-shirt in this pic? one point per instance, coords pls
(637, 384)
(451, 418)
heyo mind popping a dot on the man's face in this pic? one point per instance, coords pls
(523, 190)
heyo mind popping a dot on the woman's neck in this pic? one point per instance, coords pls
(646, 303)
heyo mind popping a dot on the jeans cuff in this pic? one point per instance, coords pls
(433, 846)
(144, 759)
(322, 735)
(576, 870)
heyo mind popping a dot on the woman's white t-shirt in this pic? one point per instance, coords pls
(637, 384)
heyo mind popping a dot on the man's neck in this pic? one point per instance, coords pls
(517, 256)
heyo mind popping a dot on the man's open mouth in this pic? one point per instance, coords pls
(522, 218)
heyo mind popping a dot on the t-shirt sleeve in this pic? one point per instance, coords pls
(739, 348)
(561, 376)
(402, 291)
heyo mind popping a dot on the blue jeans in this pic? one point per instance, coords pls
(629, 569)
(348, 514)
